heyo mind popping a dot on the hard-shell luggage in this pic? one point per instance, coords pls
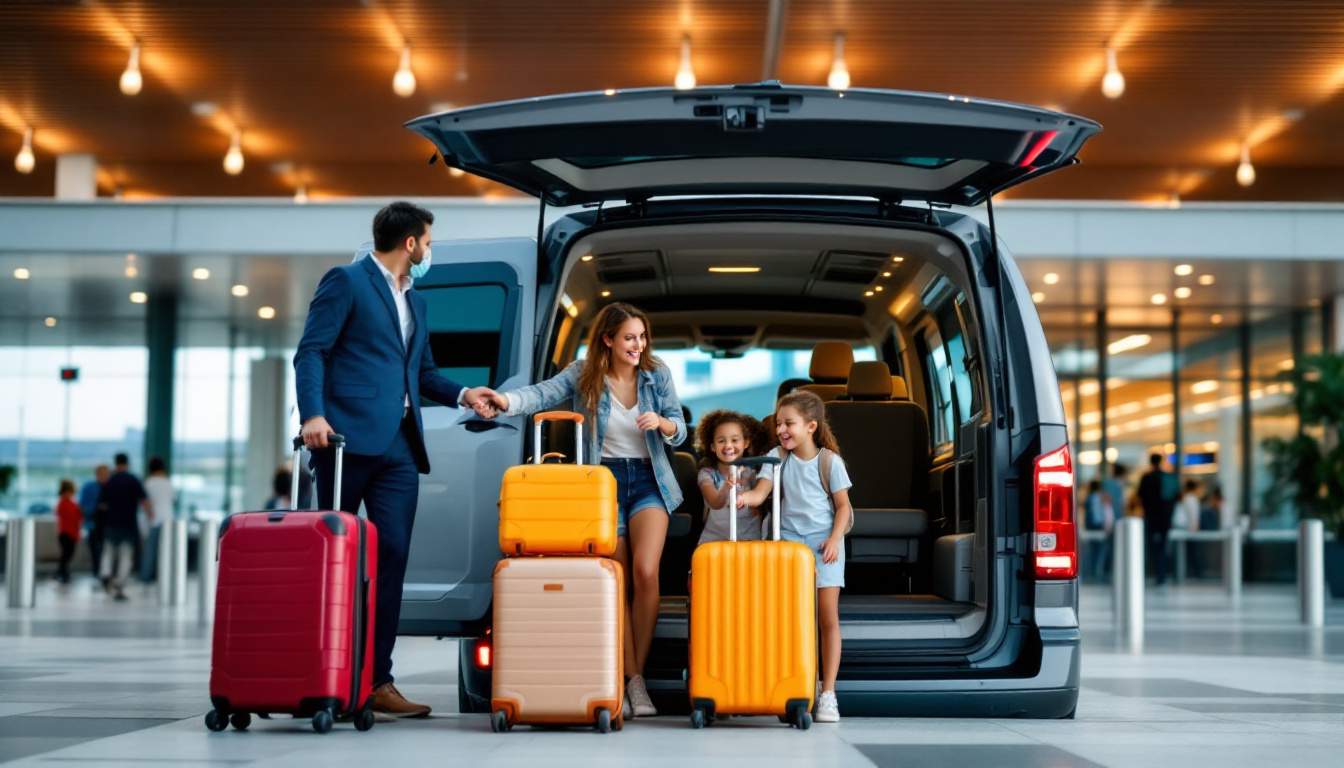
(558, 629)
(294, 614)
(557, 509)
(753, 623)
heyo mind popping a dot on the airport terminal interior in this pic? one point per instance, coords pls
(177, 179)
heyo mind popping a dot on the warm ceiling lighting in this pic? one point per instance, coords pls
(1159, 298)
(204, 108)
(1183, 292)
(403, 82)
(605, 294)
(735, 270)
(1245, 171)
(897, 259)
(233, 159)
(1286, 364)
(1128, 343)
(131, 270)
(1051, 278)
(139, 297)
(239, 290)
(1183, 270)
(685, 79)
(131, 81)
(24, 161)
(867, 293)
(1206, 279)
(266, 312)
(886, 274)
(586, 257)
(838, 79)
(301, 195)
(200, 273)
(1038, 297)
(610, 92)
(50, 322)
(1216, 319)
(1112, 83)
(21, 273)
(1204, 387)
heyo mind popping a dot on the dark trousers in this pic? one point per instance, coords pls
(96, 549)
(1158, 545)
(67, 551)
(388, 486)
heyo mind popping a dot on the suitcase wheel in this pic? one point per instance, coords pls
(364, 720)
(499, 721)
(240, 720)
(216, 720)
(799, 717)
(603, 720)
(697, 718)
(322, 721)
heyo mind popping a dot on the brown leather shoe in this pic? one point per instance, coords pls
(387, 700)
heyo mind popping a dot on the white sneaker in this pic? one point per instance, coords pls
(639, 697)
(828, 711)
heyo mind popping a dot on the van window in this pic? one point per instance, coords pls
(465, 323)
(939, 380)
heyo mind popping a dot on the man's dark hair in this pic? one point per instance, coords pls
(1119, 470)
(398, 221)
(156, 464)
(1155, 460)
(121, 460)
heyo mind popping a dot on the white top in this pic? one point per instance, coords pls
(404, 315)
(805, 509)
(716, 522)
(1188, 513)
(160, 492)
(623, 439)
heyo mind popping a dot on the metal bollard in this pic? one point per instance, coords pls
(1129, 567)
(173, 562)
(1311, 571)
(1117, 569)
(1232, 561)
(21, 562)
(207, 553)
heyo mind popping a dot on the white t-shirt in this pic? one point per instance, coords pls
(805, 509)
(716, 522)
(623, 439)
(160, 492)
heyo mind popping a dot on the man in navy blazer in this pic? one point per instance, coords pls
(360, 370)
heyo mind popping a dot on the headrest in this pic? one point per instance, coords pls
(869, 381)
(898, 388)
(831, 361)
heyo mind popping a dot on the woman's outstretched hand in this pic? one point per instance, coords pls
(486, 402)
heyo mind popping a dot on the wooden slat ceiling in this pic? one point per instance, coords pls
(310, 82)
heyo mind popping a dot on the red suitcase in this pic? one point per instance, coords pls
(294, 611)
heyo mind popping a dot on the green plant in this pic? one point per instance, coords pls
(1308, 469)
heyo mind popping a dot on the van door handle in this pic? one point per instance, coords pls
(485, 425)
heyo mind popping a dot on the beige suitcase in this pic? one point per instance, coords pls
(558, 629)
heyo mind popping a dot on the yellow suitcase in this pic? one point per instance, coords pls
(753, 623)
(557, 509)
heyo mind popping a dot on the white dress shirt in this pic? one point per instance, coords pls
(405, 318)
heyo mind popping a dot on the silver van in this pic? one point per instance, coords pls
(769, 217)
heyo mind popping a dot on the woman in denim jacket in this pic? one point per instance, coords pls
(627, 395)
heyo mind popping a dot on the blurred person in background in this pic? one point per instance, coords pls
(69, 519)
(1158, 504)
(1098, 515)
(93, 519)
(122, 497)
(160, 491)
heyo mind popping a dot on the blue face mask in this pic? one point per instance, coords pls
(420, 270)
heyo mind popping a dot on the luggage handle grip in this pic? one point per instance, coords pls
(336, 441)
(774, 463)
(539, 418)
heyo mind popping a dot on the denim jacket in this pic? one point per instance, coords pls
(655, 393)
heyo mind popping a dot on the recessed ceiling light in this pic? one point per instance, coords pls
(1038, 297)
(1127, 344)
(867, 293)
(50, 322)
(21, 273)
(204, 108)
(1159, 298)
(1183, 292)
(878, 288)
(586, 257)
(610, 92)
(897, 259)
(200, 273)
(266, 312)
(1206, 279)
(131, 270)
(139, 297)
(886, 274)
(734, 270)
(1204, 387)
(239, 290)
(1182, 270)
(1216, 319)
(605, 294)
(1051, 278)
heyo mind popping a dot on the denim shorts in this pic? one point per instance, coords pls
(828, 574)
(636, 489)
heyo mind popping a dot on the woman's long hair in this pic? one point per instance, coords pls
(597, 364)
(811, 407)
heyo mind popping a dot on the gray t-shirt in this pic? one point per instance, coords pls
(716, 522)
(805, 509)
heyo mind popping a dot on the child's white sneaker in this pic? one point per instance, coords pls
(828, 711)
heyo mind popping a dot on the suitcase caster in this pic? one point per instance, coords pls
(499, 722)
(364, 720)
(240, 720)
(216, 720)
(799, 717)
(603, 721)
(697, 718)
(322, 721)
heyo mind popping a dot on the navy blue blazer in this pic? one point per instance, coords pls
(352, 368)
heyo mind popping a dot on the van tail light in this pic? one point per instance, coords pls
(485, 653)
(1055, 547)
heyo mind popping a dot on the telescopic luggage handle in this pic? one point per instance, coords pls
(544, 416)
(753, 462)
(334, 440)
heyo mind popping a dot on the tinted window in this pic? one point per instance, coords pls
(465, 322)
(938, 373)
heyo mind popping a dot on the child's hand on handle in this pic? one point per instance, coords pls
(830, 550)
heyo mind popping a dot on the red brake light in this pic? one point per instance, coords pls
(484, 653)
(1055, 544)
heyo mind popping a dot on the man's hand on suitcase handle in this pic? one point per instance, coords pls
(315, 433)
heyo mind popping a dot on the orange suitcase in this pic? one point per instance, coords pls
(558, 627)
(557, 509)
(753, 626)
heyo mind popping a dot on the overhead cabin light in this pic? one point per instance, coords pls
(734, 270)
(239, 290)
(1051, 278)
(685, 79)
(24, 161)
(1038, 297)
(586, 257)
(50, 322)
(1112, 83)
(878, 288)
(131, 81)
(1245, 171)
(1159, 299)
(139, 297)
(1206, 280)
(886, 274)
(867, 293)
(1183, 292)
(403, 82)
(838, 79)
(1128, 343)
(897, 259)
(233, 159)
(605, 294)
